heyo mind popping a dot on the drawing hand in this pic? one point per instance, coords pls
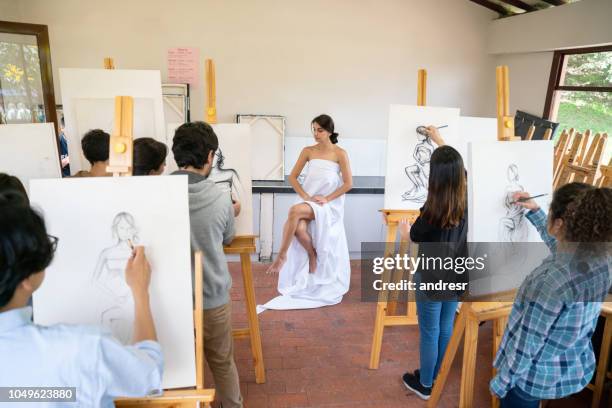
(529, 204)
(138, 272)
(434, 135)
(319, 199)
(404, 229)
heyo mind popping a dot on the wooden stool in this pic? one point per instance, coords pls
(467, 323)
(604, 357)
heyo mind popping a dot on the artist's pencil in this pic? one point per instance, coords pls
(523, 199)
(130, 244)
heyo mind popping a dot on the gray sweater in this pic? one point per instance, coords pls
(211, 216)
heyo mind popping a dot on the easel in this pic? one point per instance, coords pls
(472, 314)
(120, 164)
(605, 180)
(602, 373)
(244, 245)
(387, 302)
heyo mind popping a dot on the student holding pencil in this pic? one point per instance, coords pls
(546, 352)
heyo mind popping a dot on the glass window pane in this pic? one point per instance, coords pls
(593, 69)
(586, 110)
(21, 95)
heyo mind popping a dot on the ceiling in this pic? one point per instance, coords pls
(507, 8)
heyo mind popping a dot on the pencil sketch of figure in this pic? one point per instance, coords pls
(512, 226)
(418, 173)
(227, 179)
(109, 277)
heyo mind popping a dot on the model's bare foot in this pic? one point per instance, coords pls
(312, 262)
(276, 266)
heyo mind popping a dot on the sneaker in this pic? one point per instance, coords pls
(413, 384)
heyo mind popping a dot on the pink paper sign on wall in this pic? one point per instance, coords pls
(183, 64)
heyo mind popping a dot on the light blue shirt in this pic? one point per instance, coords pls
(85, 357)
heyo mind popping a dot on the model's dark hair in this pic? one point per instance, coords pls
(564, 196)
(588, 217)
(12, 183)
(327, 123)
(149, 155)
(25, 247)
(95, 145)
(446, 197)
(192, 143)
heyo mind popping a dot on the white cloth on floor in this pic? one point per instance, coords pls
(300, 289)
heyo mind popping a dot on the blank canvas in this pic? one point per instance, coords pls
(408, 153)
(267, 146)
(88, 99)
(29, 151)
(85, 284)
(474, 129)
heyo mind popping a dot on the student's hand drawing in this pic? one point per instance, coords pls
(529, 204)
(138, 272)
(434, 135)
(404, 229)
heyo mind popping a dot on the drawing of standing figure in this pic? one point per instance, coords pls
(418, 173)
(512, 227)
(227, 179)
(109, 277)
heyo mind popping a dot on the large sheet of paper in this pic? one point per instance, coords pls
(409, 153)
(267, 147)
(88, 99)
(94, 219)
(29, 151)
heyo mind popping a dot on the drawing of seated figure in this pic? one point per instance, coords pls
(512, 226)
(109, 277)
(418, 173)
(227, 180)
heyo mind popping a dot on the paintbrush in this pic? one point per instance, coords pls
(523, 199)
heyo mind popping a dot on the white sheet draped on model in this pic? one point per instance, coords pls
(303, 290)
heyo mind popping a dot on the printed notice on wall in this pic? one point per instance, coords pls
(183, 63)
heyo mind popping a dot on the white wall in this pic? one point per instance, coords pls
(348, 58)
(526, 43)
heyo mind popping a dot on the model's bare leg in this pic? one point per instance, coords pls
(298, 212)
(304, 238)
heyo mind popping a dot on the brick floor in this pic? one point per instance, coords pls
(319, 358)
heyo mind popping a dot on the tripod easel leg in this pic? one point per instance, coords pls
(448, 359)
(379, 326)
(254, 333)
(470, 346)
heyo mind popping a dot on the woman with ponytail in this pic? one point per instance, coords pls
(313, 259)
(546, 352)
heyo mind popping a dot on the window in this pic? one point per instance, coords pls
(580, 91)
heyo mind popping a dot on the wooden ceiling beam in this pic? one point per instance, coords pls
(520, 4)
(492, 6)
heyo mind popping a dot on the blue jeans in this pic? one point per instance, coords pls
(435, 327)
(517, 398)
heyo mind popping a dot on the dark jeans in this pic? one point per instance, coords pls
(517, 398)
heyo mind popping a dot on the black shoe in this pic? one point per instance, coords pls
(413, 384)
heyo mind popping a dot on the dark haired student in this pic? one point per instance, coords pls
(546, 351)
(211, 215)
(441, 226)
(95, 145)
(84, 357)
(149, 157)
(8, 183)
(313, 258)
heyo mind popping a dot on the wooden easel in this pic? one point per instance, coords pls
(472, 314)
(120, 164)
(386, 306)
(244, 245)
(604, 357)
(605, 179)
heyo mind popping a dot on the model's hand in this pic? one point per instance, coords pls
(237, 207)
(529, 204)
(138, 272)
(404, 229)
(434, 135)
(319, 199)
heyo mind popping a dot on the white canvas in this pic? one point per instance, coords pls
(234, 172)
(29, 151)
(267, 146)
(93, 219)
(408, 153)
(474, 129)
(88, 100)
(495, 171)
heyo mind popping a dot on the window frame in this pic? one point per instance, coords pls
(557, 69)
